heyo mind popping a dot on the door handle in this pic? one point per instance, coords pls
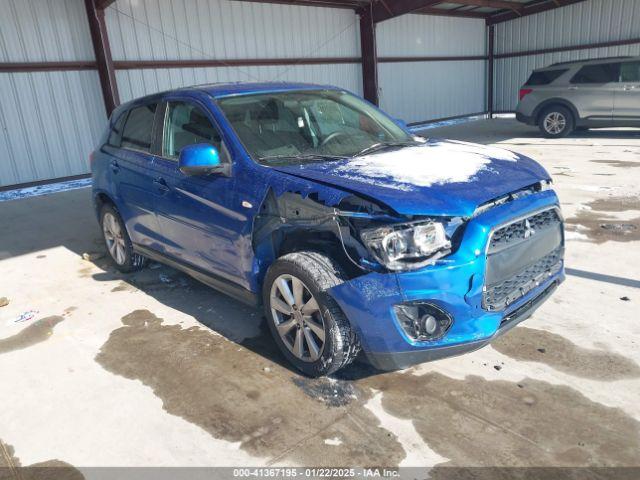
(573, 88)
(115, 168)
(629, 87)
(161, 184)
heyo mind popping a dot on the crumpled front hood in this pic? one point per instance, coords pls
(440, 177)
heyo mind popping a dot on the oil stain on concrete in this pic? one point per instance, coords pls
(600, 227)
(11, 468)
(39, 331)
(618, 163)
(480, 422)
(232, 392)
(531, 345)
(245, 393)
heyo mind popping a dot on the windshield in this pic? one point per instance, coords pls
(285, 128)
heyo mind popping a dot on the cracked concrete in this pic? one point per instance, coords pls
(155, 369)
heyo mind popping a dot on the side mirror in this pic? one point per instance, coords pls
(200, 159)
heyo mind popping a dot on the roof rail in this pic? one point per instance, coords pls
(591, 60)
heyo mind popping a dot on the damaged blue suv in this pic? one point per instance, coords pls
(351, 232)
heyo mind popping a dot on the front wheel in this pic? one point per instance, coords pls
(306, 323)
(556, 122)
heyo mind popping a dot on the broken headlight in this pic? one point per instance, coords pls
(407, 246)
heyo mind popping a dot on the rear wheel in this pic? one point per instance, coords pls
(117, 241)
(306, 323)
(556, 122)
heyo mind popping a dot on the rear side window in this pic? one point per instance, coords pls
(544, 78)
(630, 72)
(603, 73)
(186, 124)
(138, 128)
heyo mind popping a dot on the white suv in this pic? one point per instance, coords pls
(581, 95)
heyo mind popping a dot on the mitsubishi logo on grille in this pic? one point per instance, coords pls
(528, 229)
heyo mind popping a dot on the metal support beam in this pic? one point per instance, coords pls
(501, 4)
(490, 69)
(369, 55)
(530, 9)
(104, 62)
(385, 9)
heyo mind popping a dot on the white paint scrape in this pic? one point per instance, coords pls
(418, 453)
(425, 165)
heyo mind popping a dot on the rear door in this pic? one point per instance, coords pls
(627, 97)
(132, 170)
(198, 215)
(592, 91)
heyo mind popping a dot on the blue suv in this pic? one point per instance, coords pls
(351, 232)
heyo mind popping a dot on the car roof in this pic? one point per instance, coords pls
(218, 90)
(246, 88)
(587, 61)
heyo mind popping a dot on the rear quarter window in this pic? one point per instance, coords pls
(115, 135)
(603, 73)
(545, 77)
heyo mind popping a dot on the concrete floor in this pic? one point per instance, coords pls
(156, 369)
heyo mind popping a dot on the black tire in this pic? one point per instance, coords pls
(561, 113)
(318, 273)
(130, 261)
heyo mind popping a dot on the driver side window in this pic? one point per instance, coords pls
(185, 124)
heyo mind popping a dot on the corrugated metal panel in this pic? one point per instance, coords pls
(511, 73)
(136, 83)
(44, 30)
(421, 91)
(49, 122)
(426, 35)
(196, 29)
(592, 21)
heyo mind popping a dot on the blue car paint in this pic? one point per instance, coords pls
(453, 283)
(204, 221)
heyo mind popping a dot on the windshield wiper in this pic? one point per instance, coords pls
(382, 145)
(309, 157)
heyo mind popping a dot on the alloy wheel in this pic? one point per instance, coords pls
(114, 238)
(297, 318)
(555, 123)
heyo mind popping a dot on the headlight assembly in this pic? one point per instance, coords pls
(407, 246)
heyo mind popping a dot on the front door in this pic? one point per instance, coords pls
(626, 109)
(199, 215)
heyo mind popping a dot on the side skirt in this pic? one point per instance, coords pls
(214, 281)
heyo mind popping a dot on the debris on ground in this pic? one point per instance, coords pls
(92, 256)
(4, 301)
(542, 350)
(624, 299)
(497, 367)
(26, 316)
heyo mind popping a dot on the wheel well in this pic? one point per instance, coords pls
(101, 199)
(322, 241)
(556, 103)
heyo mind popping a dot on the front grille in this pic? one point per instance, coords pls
(520, 256)
(518, 230)
(504, 293)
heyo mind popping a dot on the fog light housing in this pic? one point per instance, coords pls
(423, 321)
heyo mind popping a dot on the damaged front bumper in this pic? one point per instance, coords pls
(453, 284)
